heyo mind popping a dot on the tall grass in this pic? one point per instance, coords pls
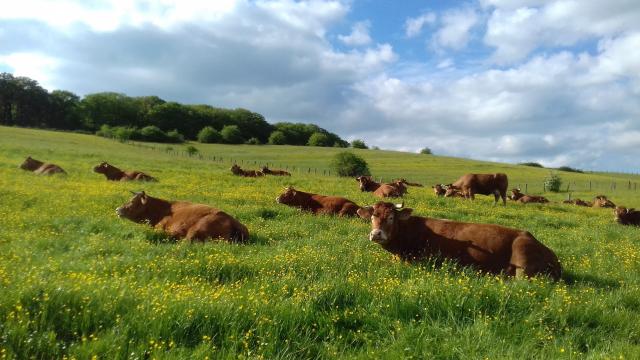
(77, 281)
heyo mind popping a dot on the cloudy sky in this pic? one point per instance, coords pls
(557, 82)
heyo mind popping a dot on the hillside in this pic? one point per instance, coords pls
(78, 281)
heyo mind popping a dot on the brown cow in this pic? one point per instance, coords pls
(452, 191)
(236, 170)
(517, 195)
(405, 182)
(439, 189)
(114, 174)
(491, 248)
(317, 204)
(601, 201)
(578, 202)
(40, 168)
(626, 216)
(182, 219)
(396, 189)
(484, 184)
(267, 171)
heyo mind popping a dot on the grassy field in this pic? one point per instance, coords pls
(77, 282)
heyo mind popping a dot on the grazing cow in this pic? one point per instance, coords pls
(182, 219)
(439, 189)
(601, 201)
(317, 204)
(40, 168)
(267, 171)
(452, 191)
(490, 248)
(517, 195)
(381, 190)
(484, 184)
(405, 182)
(626, 216)
(114, 174)
(578, 202)
(236, 170)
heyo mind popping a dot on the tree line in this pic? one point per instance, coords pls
(23, 102)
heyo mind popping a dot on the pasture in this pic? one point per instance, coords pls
(77, 282)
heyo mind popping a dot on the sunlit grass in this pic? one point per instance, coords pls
(77, 281)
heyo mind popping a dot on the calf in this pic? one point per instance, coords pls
(452, 191)
(40, 168)
(439, 189)
(267, 171)
(601, 201)
(484, 184)
(381, 190)
(236, 170)
(517, 195)
(114, 174)
(182, 219)
(490, 248)
(317, 204)
(626, 216)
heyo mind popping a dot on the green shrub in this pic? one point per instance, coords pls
(553, 182)
(359, 144)
(153, 133)
(192, 150)
(126, 133)
(174, 136)
(570, 169)
(277, 138)
(209, 135)
(105, 131)
(253, 141)
(426, 151)
(231, 134)
(349, 164)
(532, 164)
(319, 139)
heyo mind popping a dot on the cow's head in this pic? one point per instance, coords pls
(235, 169)
(265, 169)
(620, 212)
(516, 194)
(102, 167)
(30, 164)
(452, 190)
(439, 189)
(287, 195)
(384, 218)
(364, 182)
(136, 208)
(602, 201)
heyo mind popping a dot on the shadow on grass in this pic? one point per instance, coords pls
(574, 279)
(161, 238)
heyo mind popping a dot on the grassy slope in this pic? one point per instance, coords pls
(79, 281)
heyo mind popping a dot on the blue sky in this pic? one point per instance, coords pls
(557, 82)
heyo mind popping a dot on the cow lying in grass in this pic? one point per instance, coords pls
(236, 170)
(267, 171)
(396, 189)
(517, 195)
(114, 174)
(484, 184)
(439, 189)
(40, 168)
(182, 219)
(626, 216)
(601, 201)
(490, 248)
(317, 204)
(577, 202)
(407, 183)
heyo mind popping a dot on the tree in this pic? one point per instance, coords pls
(319, 139)
(277, 138)
(349, 164)
(359, 144)
(253, 141)
(173, 115)
(209, 135)
(109, 108)
(426, 151)
(65, 110)
(553, 182)
(231, 134)
(153, 133)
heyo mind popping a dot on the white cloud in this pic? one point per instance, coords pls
(455, 30)
(413, 26)
(30, 64)
(359, 35)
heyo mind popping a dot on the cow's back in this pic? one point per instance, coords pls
(49, 169)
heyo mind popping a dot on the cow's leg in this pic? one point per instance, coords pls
(503, 195)
(520, 273)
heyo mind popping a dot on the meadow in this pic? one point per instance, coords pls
(78, 282)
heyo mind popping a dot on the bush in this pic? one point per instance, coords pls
(253, 141)
(359, 144)
(319, 139)
(553, 182)
(349, 164)
(209, 135)
(192, 150)
(277, 138)
(570, 169)
(153, 133)
(105, 131)
(426, 151)
(231, 134)
(532, 164)
(175, 137)
(125, 133)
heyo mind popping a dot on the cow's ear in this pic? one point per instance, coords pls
(404, 214)
(630, 210)
(358, 178)
(143, 198)
(365, 212)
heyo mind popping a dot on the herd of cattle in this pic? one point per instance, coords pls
(490, 248)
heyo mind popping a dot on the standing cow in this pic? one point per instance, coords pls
(490, 248)
(40, 168)
(484, 184)
(182, 219)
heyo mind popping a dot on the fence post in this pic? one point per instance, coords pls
(526, 188)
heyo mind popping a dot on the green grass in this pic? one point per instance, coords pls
(77, 281)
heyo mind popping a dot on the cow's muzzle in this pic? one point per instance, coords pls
(377, 236)
(119, 212)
